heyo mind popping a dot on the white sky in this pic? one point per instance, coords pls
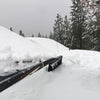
(32, 16)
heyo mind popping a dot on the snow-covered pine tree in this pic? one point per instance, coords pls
(78, 26)
(21, 33)
(58, 29)
(97, 24)
(93, 19)
(67, 35)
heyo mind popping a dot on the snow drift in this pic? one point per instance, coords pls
(17, 48)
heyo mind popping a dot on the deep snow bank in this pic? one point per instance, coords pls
(16, 48)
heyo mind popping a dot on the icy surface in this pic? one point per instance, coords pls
(78, 78)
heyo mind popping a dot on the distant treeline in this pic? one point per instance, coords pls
(23, 34)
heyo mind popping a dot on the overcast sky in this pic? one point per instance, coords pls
(32, 16)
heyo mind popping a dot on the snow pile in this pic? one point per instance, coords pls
(16, 48)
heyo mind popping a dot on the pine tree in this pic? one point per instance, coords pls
(51, 35)
(77, 24)
(11, 29)
(58, 29)
(39, 35)
(32, 35)
(97, 24)
(93, 9)
(67, 35)
(21, 33)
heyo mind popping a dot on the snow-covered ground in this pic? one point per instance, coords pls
(78, 78)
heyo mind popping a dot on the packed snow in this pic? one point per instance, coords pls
(78, 78)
